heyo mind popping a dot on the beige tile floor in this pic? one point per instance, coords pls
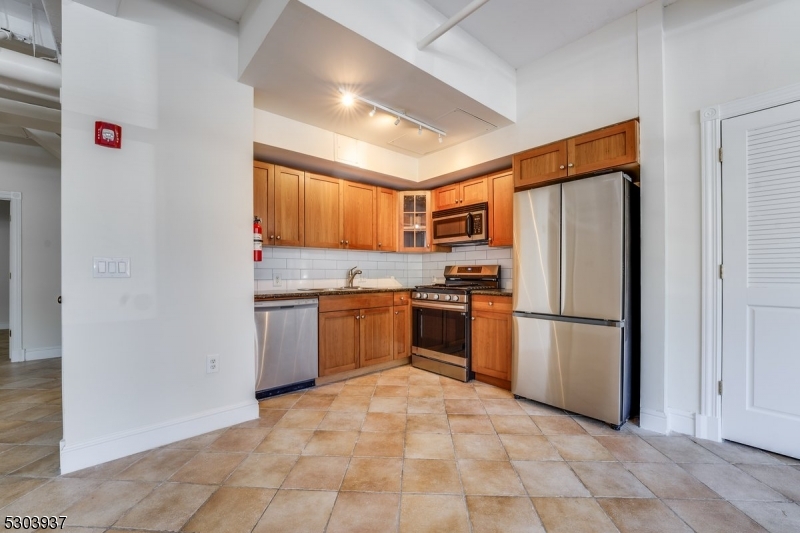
(401, 450)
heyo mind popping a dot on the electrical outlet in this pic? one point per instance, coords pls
(277, 281)
(212, 364)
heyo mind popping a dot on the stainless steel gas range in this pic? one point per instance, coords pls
(441, 320)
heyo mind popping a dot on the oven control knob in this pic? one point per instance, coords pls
(435, 296)
(424, 295)
(416, 295)
(455, 297)
(447, 297)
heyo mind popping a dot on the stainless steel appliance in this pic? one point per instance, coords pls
(441, 320)
(286, 345)
(461, 225)
(573, 320)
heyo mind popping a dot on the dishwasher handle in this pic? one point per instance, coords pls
(298, 303)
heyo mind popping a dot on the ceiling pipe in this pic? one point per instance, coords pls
(468, 10)
(29, 70)
(30, 96)
(14, 113)
(48, 140)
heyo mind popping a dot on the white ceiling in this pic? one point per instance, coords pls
(521, 31)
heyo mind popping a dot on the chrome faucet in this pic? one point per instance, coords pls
(351, 275)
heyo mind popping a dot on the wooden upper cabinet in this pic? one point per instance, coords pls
(501, 209)
(474, 191)
(541, 165)
(375, 336)
(387, 220)
(289, 207)
(447, 196)
(605, 148)
(359, 203)
(323, 212)
(263, 194)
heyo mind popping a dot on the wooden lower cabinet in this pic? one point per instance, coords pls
(338, 341)
(358, 337)
(402, 325)
(491, 340)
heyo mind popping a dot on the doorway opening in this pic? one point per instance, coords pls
(5, 274)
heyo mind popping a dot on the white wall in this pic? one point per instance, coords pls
(715, 52)
(35, 173)
(176, 200)
(5, 242)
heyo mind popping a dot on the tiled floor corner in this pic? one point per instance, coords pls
(403, 450)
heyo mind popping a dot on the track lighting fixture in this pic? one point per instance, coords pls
(349, 98)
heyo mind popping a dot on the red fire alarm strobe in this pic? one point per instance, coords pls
(107, 134)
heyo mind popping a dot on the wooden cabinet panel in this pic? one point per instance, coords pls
(606, 148)
(355, 301)
(447, 196)
(474, 191)
(402, 331)
(541, 165)
(323, 211)
(289, 207)
(501, 209)
(263, 195)
(387, 220)
(491, 344)
(402, 298)
(359, 216)
(375, 345)
(493, 304)
(338, 341)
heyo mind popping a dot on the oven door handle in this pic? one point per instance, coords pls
(444, 307)
(470, 225)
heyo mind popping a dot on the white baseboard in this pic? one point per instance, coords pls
(708, 427)
(653, 420)
(34, 354)
(85, 454)
(681, 421)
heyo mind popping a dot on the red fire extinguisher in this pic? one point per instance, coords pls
(257, 239)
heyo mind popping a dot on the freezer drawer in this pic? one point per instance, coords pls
(537, 234)
(574, 366)
(593, 246)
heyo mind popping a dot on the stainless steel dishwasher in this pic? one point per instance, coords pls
(286, 345)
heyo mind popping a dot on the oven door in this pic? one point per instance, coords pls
(441, 332)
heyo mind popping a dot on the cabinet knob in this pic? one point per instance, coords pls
(341, 242)
(272, 237)
(358, 317)
(278, 237)
(397, 312)
(570, 165)
(491, 303)
(402, 298)
(561, 167)
(379, 245)
(490, 239)
(346, 242)
(362, 316)
(472, 318)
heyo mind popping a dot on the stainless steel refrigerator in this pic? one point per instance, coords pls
(573, 280)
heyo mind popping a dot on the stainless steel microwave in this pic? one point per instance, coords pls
(461, 225)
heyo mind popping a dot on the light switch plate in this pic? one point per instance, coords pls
(111, 267)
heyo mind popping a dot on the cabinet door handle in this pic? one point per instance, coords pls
(278, 237)
(59, 299)
(341, 242)
(346, 242)
(271, 237)
(402, 298)
(358, 317)
(561, 167)
(379, 245)
(570, 165)
(397, 312)
(491, 303)
(472, 318)
(362, 316)
(490, 239)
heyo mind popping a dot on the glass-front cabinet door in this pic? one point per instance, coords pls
(415, 217)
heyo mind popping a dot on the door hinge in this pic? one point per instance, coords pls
(719, 387)
(722, 272)
(720, 154)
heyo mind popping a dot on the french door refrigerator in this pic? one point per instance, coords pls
(573, 317)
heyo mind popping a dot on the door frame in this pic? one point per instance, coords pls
(15, 267)
(708, 421)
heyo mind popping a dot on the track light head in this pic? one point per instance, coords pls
(372, 113)
(397, 121)
(347, 99)
(440, 138)
(419, 131)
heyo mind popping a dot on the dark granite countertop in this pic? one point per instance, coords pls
(492, 292)
(315, 293)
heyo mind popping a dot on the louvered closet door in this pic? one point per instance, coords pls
(761, 288)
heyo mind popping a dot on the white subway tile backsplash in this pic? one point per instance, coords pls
(328, 268)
